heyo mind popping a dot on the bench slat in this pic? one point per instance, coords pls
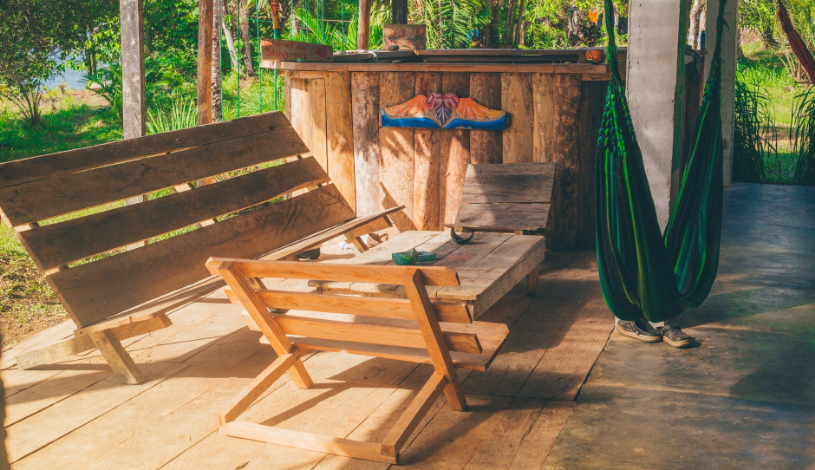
(71, 161)
(508, 183)
(97, 290)
(354, 305)
(371, 333)
(59, 244)
(43, 199)
(433, 275)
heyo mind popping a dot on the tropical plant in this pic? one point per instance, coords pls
(802, 135)
(751, 126)
(180, 114)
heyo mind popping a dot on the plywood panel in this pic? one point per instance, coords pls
(515, 100)
(455, 153)
(340, 134)
(365, 111)
(486, 146)
(427, 151)
(396, 151)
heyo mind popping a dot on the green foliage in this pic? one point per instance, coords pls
(752, 121)
(181, 113)
(802, 135)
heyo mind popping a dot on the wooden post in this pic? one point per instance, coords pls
(399, 10)
(364, 24)
(729, 46)
(206, 13)
(134, 112)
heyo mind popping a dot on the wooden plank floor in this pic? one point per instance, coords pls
(76, 415)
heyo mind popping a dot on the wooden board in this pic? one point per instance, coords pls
(427, 167)
(49, 166)
(543, 102)
(396, 152)
(102, 288)
(45, 198)
(515, 100)
(317, 122)
(509, 183)
(503, 217)
(365, 110)
(592, 99)
(455, 153)
(276, 50)
(59, 244)
(340, 133)
(486, 146)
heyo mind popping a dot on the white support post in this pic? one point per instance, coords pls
(729, 47)
(655, 86)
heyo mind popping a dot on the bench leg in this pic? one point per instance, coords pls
(54, 352)
(115, 354)
(532, 282)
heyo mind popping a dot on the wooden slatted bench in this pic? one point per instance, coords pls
(113, 293)
(415, 329)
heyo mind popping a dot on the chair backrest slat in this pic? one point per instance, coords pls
(508, 183)
(72, 161)
(65, 242)
(45, 198)
(94, 291)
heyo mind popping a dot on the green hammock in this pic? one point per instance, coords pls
(643, 273)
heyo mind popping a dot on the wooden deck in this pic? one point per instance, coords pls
(76, 414)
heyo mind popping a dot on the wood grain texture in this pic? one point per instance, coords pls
(206, 14)
(340, 133)
(319, 136)
(543, 96)
(565, 146)
(365, 110)
(96, 290)
(503, 217)
(427, 164)
(515, 100)
(509, 183)
(396, 151)
(486, 146)
(455, 153)
(592, 96)
(42, 199)
(49, 166)
(59, 244)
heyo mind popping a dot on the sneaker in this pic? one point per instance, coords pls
(672, 335)
(640, 329)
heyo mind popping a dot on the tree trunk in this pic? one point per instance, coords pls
(217, 106)
(230, 40)
(508, 24)
(519, 26)
(244, 29)
(693, 28)
(489, 30)
(768, 38)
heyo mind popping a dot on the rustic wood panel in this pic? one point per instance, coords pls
(515, 100)
(455, 153)
(340, 129)
(365, 111)
(565, 146)
(99, 289)
(49, 166)
(59, 244)
(301, 109)
(509, 183)
(503, 217)
(486, 146)
(42, 199)
(592, 101)
(544, 105)
(427, 151)
(396, 152)
(319, 141)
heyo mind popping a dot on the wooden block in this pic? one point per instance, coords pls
(455, 153)
(276, 50)
(340, 133)
(509, 183)
(59, 244)
(42, 199)
(365, 110)
(486, 146)
(396, 151)
(503, 217)
(427, 165)
(515, 100)
(94, 291)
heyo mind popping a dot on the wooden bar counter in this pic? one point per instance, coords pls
(554, 100)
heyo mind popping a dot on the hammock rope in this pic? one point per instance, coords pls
(643, 273)
(796, 43)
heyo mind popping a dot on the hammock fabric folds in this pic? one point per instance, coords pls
(643, 273)
(796, 43)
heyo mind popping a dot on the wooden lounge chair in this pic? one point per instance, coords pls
(130, 293)
(402, 329)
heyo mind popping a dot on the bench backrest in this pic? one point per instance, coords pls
(237, 153)
(355, 318)
(507, 197)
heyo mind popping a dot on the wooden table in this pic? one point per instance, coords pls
(489, 266)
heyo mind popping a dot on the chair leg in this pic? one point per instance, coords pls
(532, 282)
(115, 354)
(251, 392)
(418, 408)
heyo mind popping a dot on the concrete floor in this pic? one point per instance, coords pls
(744, 396)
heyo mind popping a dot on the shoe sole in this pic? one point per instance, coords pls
(678, 344)
(644, 339)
